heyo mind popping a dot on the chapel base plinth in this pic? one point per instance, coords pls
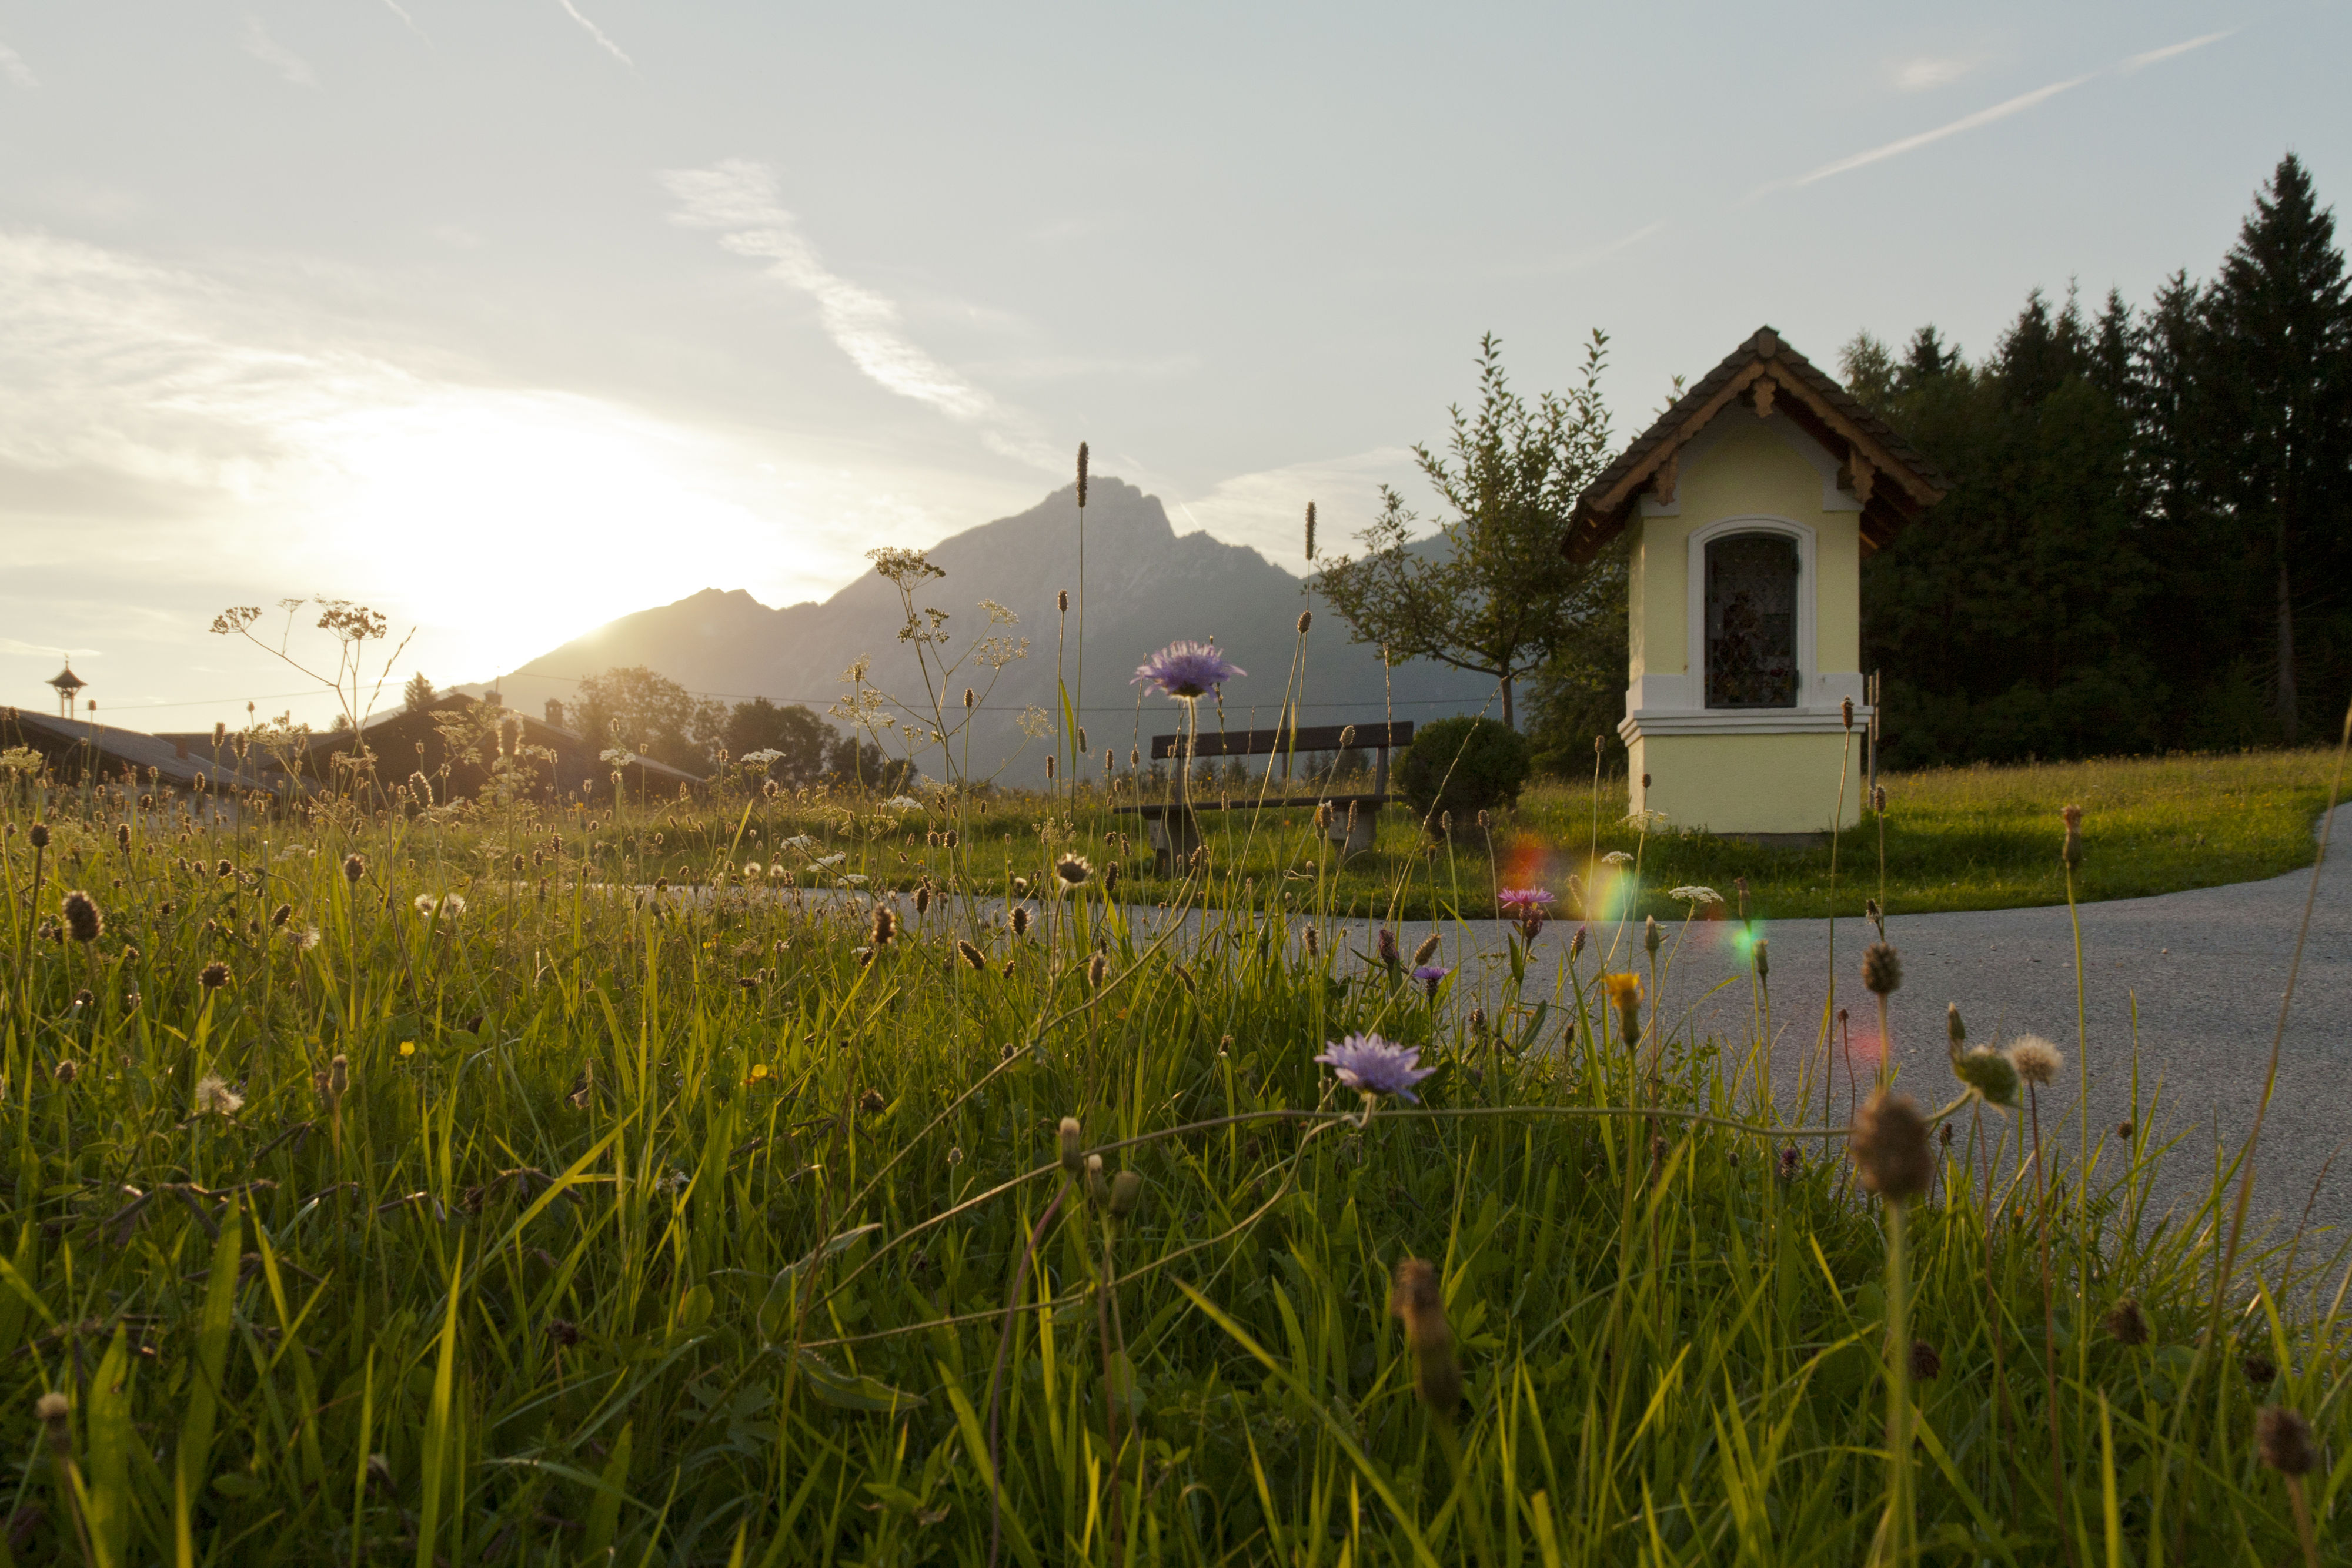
(1744, 784)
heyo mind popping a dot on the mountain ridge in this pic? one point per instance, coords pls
(1147, 585)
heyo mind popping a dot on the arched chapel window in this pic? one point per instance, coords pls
(1751, 621)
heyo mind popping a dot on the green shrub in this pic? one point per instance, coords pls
(1464, 765)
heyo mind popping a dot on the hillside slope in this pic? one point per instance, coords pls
(1147, 586)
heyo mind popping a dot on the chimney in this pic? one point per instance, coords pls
(180, 750)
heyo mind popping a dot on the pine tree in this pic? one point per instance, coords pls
(418, 692)
(2009, 621)
(1926, 358)
(2281, 333)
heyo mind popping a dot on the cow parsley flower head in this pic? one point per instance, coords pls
(1187, 670)
(1695, 895)
(1618, 857)
(1367, 1063)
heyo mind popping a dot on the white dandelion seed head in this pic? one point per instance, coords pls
(216, 1098)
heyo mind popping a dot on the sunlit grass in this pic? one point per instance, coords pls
(1981, 838)
(683, 1224)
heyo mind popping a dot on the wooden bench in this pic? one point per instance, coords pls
(1354, 816)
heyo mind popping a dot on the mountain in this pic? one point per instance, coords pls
(1147, 586)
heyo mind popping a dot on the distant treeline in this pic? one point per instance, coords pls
(2146, 546)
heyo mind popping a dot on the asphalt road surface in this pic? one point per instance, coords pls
(2190, 981)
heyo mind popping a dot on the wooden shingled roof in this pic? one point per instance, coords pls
(1764, 375)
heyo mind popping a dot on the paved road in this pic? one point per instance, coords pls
(2190, 980)
(2202, 973)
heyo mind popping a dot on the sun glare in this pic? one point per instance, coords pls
(511, 522)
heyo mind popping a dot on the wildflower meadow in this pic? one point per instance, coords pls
(393, 1179)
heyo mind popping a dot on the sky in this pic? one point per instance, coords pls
(507, 316)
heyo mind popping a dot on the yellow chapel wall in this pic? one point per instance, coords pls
(1747, 472)
(1758, 783)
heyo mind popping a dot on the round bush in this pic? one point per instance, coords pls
(1463, 765)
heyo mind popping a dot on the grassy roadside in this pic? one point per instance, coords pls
(347, 1221)
(1953, 838)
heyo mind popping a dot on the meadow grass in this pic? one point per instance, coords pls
(590, 1220)
(1952, 838)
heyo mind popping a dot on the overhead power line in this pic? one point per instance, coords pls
(747, 696)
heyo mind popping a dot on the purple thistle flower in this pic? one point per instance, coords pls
(1430, 974)
(1187, 670)
(1376, 1066)
(1529, 900)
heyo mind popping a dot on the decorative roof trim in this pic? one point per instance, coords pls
(1764, 374)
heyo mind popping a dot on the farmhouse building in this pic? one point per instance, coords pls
(555, 762)
(78, 751)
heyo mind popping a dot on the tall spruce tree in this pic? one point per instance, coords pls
(2149, 538)
(2282, 402)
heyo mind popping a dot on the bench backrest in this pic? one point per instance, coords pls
(1302, 738)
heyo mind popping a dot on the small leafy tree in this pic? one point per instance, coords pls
(1495, 596)
(651, 715)
(801, 740)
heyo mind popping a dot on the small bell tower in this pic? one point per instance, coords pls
(66, 684)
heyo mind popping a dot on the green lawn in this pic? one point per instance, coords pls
(1978, 838)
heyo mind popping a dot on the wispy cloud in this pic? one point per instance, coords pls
(597, 32)
(2139, 61)
(1984, 117)
(1896, 149)
(39, 650)
(1626, 241)
(12, 67)
(293, 67)
(201, 437)
(400, 11)
(739, 198)
(1930, 71)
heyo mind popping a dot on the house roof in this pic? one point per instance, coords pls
(1892, 481)
(118, 746)
(535, 731)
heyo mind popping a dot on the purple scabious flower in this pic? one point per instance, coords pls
(1529, 900)
(1187, 670)
(1430, 974)
(1376, 1066)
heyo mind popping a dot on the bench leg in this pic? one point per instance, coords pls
(1355, 840)
(1174, 837)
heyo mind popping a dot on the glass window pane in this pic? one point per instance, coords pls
(1751, 621)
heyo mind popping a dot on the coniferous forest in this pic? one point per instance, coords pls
(2148, 541)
